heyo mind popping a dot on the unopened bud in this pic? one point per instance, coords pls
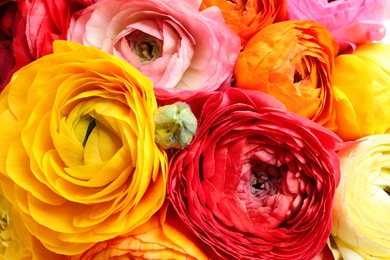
(175, 125)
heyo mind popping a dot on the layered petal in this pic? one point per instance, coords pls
(257, 181)
(361, 225)
(29, 28)
(164, 236)
(169, 41)
(8, 10)
(248, 17)
(78, 156)
(15, 240)
(352, 23)
(294, 62)
(362, 91)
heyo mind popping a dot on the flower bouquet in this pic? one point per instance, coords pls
(194, 129)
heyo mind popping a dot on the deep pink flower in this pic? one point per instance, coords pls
(257, 182)
(170, 41)
(352, 22)
(28, 29)
(8, 10)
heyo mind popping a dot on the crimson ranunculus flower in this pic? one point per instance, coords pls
(28, 29)
(8, 10)
(257, 181)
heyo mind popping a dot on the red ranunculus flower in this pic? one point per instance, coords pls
(257, 181)
(8, 10)
(28, 29)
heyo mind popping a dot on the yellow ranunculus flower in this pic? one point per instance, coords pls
(360, 219)
(77, 150)
(362, 91)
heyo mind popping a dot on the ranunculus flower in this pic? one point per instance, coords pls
(351, 22)
(164, 236)
(169, 41)
(8, 10)
(77, 150)
(361, 223)
(247, 17)
(28, 29)
(362, 91)
(257, 181)
(293, 61)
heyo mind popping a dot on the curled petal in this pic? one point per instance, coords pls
(163, 236)
(248, 17)
(293, 61)
(351, 22)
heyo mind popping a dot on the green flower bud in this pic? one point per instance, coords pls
(175, 126)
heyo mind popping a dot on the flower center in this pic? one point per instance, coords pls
(265, 180)
(5, 237)
(91, 126)
(4, 220)
(147, 48)
(387, 190)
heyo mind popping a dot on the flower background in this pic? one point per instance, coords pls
(190, 129)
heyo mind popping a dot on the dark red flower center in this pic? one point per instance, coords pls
(265, 180)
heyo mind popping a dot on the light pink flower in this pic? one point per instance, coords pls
(169, 41)
(352, 22)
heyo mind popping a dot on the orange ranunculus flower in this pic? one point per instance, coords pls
(293, 61)
(247, 17)
(362, 91)
(164, 236)
(77, 151)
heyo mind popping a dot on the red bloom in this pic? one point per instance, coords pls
(28, 29)
(8, 10)
(257, 181)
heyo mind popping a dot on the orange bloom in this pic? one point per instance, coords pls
(247, 17)
(164, 236)
(293, 61)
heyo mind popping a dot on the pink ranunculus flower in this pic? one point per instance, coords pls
(169, 41)
(257, 181)
(352, 22)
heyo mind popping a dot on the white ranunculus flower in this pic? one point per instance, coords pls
(361, 222)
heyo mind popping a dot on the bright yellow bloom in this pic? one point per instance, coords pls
(164, 236)
(77, 153)
(362, 91)
(360, 221)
